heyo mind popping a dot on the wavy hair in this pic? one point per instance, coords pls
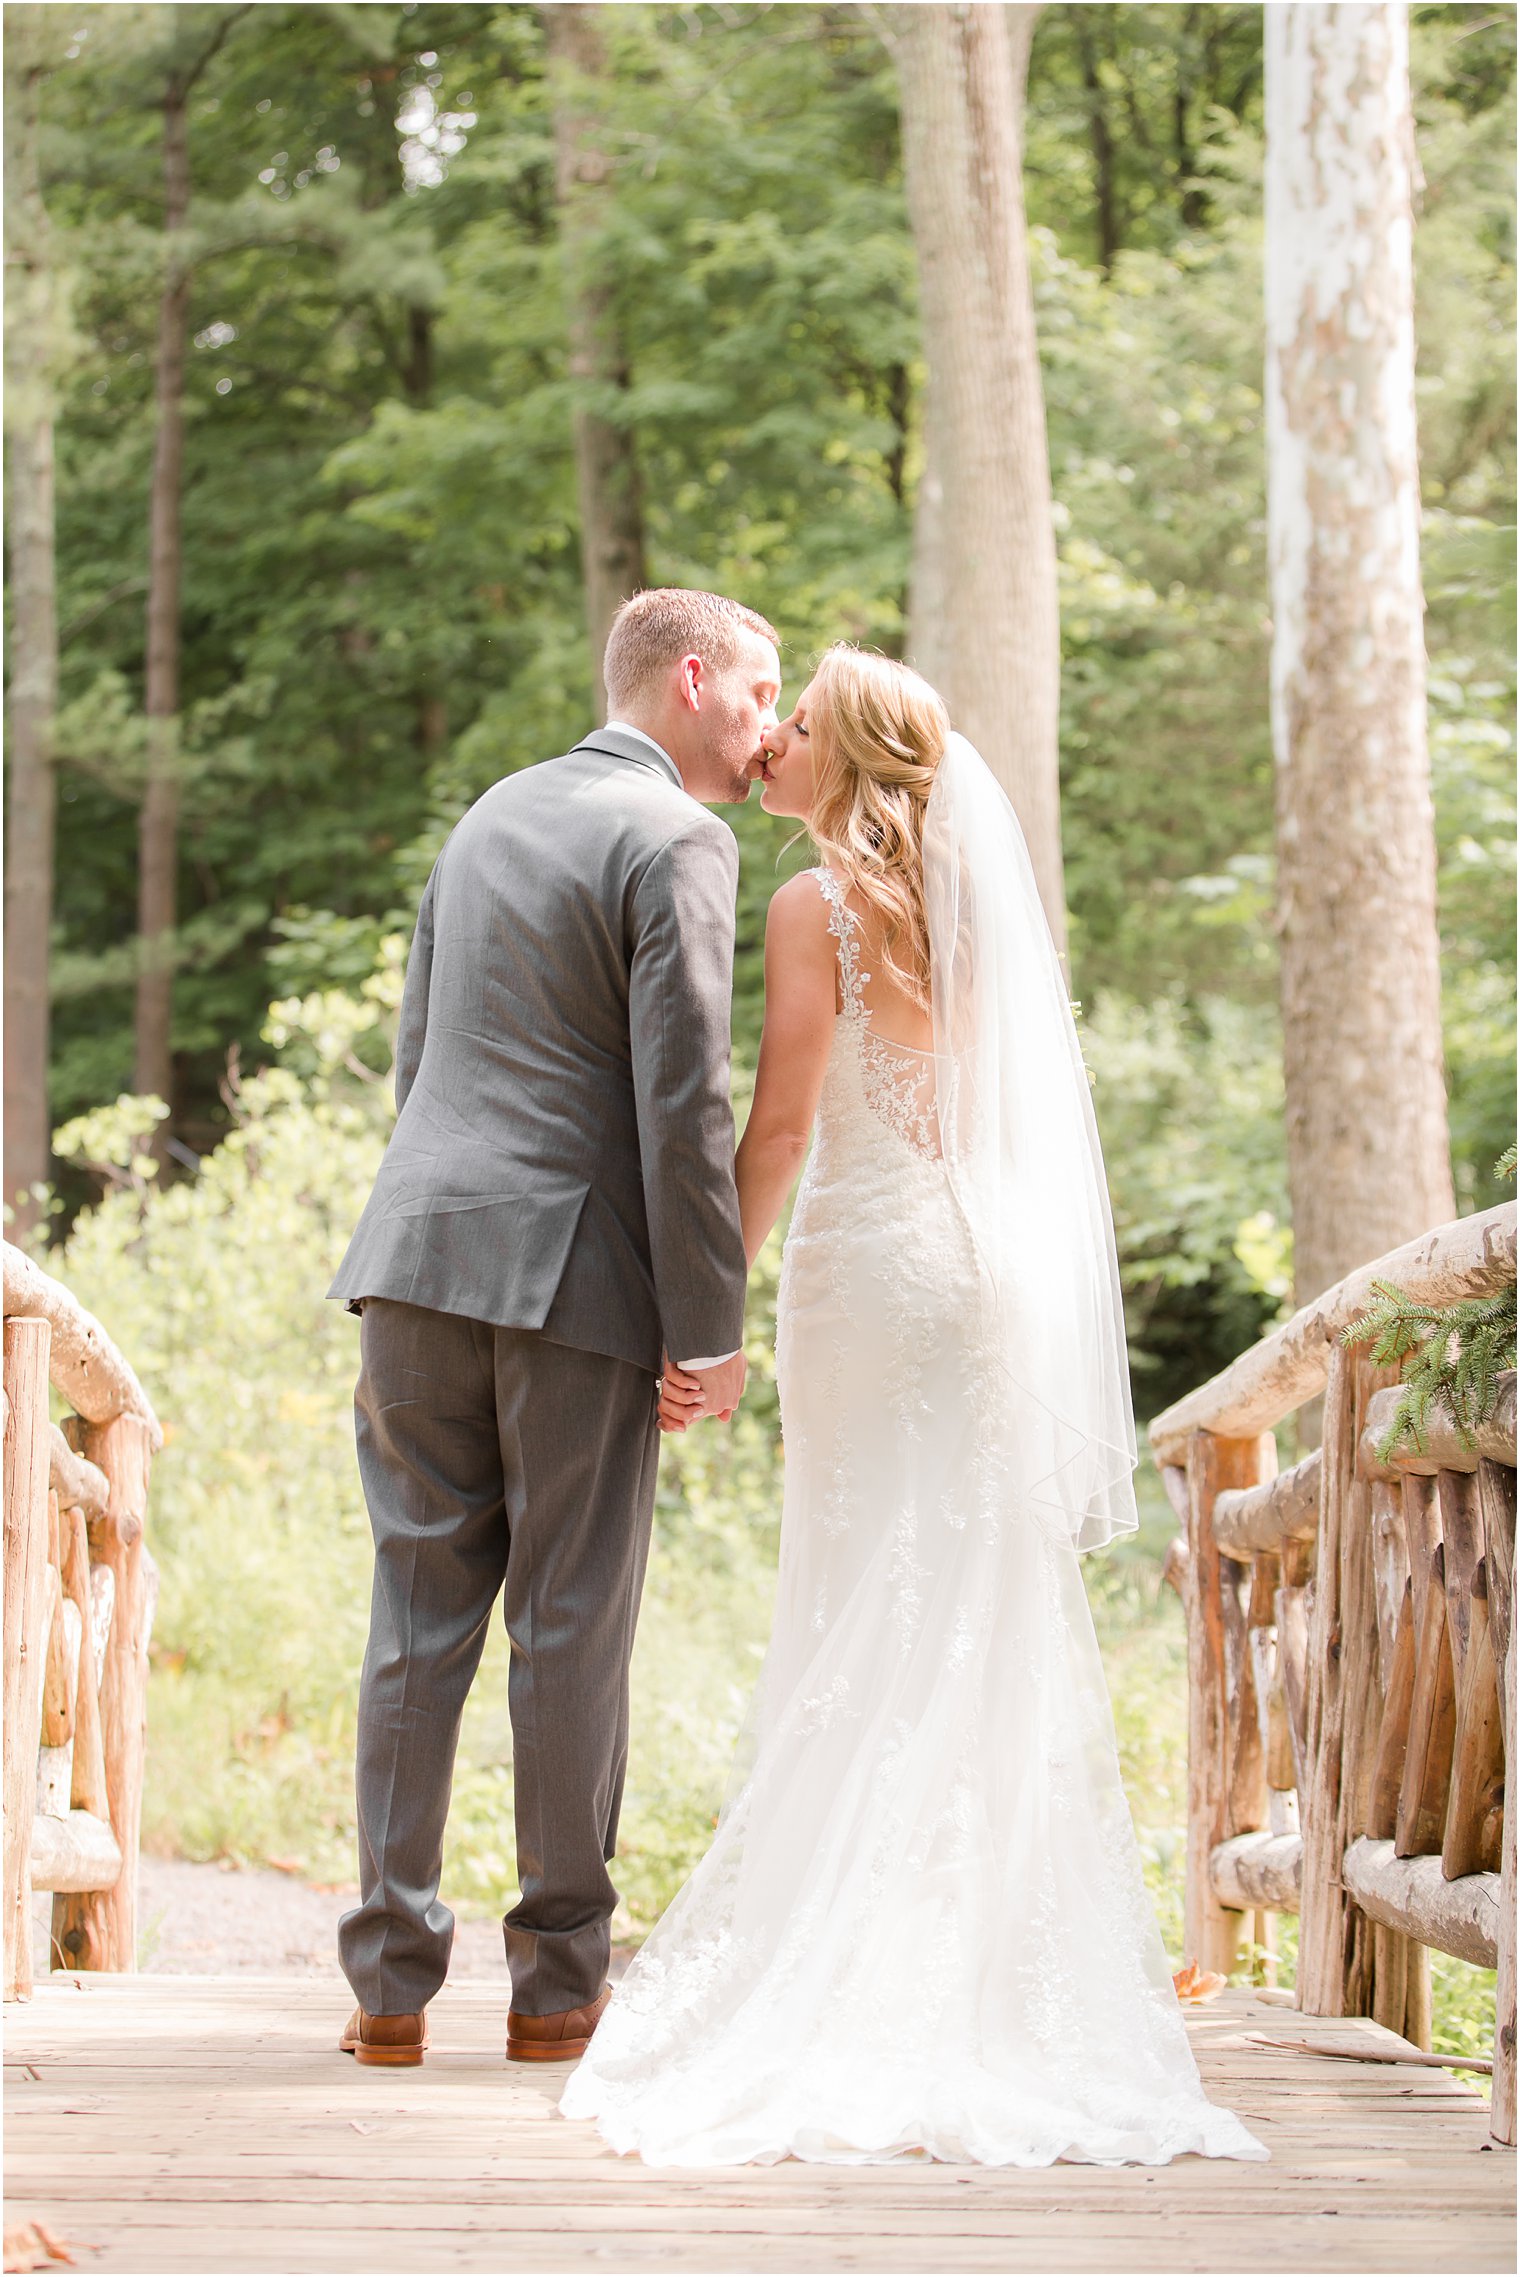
(878, 733)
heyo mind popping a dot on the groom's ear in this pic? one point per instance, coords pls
(689, 682)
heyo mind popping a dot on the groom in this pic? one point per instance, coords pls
(555, 1210)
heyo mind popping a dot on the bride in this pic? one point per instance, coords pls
(921, 1928)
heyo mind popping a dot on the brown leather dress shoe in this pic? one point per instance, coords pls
(385, 2039)
(554, 2039)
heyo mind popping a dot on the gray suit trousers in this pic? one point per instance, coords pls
(495, 1462)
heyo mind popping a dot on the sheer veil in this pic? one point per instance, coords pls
(1020, 1143)
(929, 1765)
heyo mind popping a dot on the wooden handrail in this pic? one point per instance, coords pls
(79, 1596)
(1351, 1664)
(96, 1380)
(1470, 1257)
(1442, 1445)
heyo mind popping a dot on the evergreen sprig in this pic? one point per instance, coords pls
(1454, 1354)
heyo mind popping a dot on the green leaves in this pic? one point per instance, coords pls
(383, 608)
(1451, 1355)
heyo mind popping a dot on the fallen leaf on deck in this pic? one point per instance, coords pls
(1192, 1983)
(32, 2245)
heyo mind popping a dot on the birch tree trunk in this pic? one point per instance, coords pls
(31, 810)
(606, 458)
(983, 617)
(1368, 1154)
(158, 825)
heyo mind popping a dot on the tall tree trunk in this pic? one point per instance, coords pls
(1191, 202)
(984, 622)
(34, 655)
(1105, 196)
(1368, 1157)
(158, 827)
(432, 706)
(419, 356)
(606, 458)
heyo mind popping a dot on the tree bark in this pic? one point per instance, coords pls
(158, 826)
(1104, 198)
(606, 457)
(432, 704)
(984, 622)
(27, 1585)
(1413, 1896)
(30, 820)
(98, 1382)
(98, 1929)
(1368, 1157)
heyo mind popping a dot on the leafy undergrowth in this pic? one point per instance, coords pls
(215, 1288)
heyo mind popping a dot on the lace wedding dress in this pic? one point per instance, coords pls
(922, 1926)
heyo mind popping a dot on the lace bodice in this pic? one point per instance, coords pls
(872, 1083)
(922, 1927)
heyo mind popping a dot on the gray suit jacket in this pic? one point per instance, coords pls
(563, 1153)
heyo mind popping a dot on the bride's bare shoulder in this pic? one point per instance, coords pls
(799, 911)
(797, 924)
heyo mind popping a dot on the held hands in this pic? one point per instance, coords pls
(687, 1395)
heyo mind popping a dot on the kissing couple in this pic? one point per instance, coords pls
(922, 1927)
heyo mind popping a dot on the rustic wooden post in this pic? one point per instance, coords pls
(1388, 1974)
(1390, 1565)
(28, 1587)
(98, 1928)
(88, 1791)
(1432, 1725)
(1322, 1906)
(1496, 1500)
(1474, 1838)
(1393, 1740)
(1212, 1931)
(1292, 1609)
(1348, 1965)
(1498, 1494)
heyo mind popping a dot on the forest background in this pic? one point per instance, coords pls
(383, 612)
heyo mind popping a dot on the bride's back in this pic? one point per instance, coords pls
(894, 1015)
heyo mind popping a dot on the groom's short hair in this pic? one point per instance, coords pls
(656, 629)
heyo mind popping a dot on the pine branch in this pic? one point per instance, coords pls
(1451, 1356)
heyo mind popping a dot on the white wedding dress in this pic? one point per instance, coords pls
(921, 1928)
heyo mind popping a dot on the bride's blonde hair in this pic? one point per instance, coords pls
(878, 732)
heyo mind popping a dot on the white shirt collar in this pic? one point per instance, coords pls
(623, 728)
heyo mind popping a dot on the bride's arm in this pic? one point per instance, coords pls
(794, 1050)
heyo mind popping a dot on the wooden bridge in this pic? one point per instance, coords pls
(1351, 1686)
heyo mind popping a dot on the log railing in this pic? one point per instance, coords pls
(1351, 1676)
(79, 1594)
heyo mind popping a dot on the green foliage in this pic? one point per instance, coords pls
(382, 614)
(214, 1285)
(1452, 1357)
(109, 1141)
(1188, 1097)
(382, 597)
(1462, 2001)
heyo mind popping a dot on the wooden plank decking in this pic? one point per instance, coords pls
(209, 2124)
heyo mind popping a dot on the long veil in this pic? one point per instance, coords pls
(1021, 1147)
